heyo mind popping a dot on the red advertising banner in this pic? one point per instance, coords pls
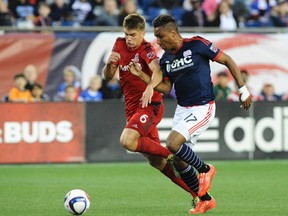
(20, 50)
(42, 133)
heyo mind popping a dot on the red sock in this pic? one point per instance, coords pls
(167, 171)
(149, 146)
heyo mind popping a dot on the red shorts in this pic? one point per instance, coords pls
(146, 119)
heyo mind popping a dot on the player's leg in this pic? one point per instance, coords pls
(162, 165)
(187, 172)
(134, 136)
(130, 139)
(176, 144)
(189, 176)
(206, 171)
(190, 123)
(165, 167)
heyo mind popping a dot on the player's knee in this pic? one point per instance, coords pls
(124, 142)
(171, 146)
(128, 143)
(174, 141)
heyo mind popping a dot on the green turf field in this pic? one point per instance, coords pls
(241, 188)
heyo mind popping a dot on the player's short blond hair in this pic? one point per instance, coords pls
(135, 21)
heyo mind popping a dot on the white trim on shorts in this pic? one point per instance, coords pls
(191, 122)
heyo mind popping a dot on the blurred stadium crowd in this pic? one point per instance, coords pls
(225, 14)
(27, 89)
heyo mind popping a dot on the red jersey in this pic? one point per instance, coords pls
(133, 87)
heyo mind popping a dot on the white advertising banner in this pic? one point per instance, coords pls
(264, 56)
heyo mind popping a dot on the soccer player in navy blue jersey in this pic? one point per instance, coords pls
(185, 64)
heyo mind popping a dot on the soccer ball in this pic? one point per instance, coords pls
(76, 202)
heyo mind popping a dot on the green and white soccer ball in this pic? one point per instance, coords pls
(76, 202)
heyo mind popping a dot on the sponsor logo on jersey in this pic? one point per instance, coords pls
(136, 58)
(187, 53)
(124, 67)
(179, 64)
(151, 55)
(213, 48)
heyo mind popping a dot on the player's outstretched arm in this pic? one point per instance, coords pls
(245, 97)
(111, 66)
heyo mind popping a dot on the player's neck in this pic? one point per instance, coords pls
(178, 44)
(134, 48)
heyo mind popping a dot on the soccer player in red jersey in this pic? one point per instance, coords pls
(140, 133)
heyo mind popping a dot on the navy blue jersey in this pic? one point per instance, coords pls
(189, 70)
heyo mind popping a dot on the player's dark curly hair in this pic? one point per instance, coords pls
(165, 20)
(134, 21)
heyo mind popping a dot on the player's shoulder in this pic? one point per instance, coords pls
(147, 46)
(165, 57)
(147, 50)
(119, 44)
(120, 40)
(197, 40)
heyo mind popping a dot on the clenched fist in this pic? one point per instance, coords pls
(114, 57)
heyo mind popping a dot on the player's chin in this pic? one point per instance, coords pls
(130, 45)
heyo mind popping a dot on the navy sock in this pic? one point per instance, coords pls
(189, 176)
(188, 155)
(205, 197)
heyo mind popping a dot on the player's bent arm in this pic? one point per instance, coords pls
(233, 68)
(163, 87)
(111, 66)
(157, 76)
(109, 71)
(245, 96)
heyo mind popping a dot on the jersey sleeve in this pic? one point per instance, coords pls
(207, 48)
(163, 68)
(148, 54)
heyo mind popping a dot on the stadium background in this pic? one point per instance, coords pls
(35, 133)
(249, 149)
